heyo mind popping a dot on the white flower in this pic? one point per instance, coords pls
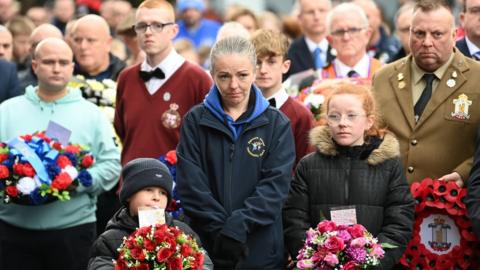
(315, 100)
(110, 94)
(72, 172)
(26, 185)
(109, 83)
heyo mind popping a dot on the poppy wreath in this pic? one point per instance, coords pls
(35, 169)
(436, 202)
(175, 207)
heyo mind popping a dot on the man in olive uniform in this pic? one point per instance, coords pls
(431, 99)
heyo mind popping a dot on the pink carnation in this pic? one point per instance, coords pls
(377, 251)
(331, 259)
(358, 242)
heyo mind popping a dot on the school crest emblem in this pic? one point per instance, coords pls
(256, 147)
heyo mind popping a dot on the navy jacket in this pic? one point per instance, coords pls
(236, 185)
(9, 85)
(463, 48)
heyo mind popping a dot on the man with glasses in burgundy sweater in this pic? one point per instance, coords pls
(153, 96)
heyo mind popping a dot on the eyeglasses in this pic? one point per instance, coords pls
(350, 31)
(350, 117)
(155, 27)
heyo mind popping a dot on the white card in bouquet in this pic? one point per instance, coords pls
(150, 216)
(344, 215)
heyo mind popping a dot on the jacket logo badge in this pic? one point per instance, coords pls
(461, 107)
(256, 147)
(171, 118)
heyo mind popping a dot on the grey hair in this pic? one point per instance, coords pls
(346, 8)
(233, 45)
(407, 7)
(4, 29)
(232, 28)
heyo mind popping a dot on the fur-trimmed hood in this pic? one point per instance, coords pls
(321, 138)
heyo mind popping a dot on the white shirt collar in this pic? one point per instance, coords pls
(471, 47)
(280, 97)
(323, 45)
(173, 59)
(362, 67)
(169, 66)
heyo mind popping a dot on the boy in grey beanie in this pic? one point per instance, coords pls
(147, 182)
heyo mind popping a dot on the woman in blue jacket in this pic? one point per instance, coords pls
(234, 164)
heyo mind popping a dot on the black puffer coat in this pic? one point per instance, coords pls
(104, 250)
(369, 178)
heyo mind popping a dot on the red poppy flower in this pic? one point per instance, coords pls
(440, 188)
(452, 191)
(171, 157)
(461, 198)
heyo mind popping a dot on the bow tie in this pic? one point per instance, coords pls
(157, 73)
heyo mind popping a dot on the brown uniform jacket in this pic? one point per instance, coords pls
(441, 142)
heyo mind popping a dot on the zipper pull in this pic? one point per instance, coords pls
(232, 150)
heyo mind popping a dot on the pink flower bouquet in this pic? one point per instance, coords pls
(332, 246)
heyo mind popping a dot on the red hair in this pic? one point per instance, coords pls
(369, 105)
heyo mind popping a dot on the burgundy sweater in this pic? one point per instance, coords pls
(301, 120)
(138, 114)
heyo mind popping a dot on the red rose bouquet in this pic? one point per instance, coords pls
(332, 246)
(35, 169)
(159, 247)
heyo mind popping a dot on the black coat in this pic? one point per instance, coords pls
(370, 178)
(121, 225)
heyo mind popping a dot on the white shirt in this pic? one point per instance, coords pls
(362, 67)
(471, 47)
(169, 65)
(280, 97)
(323, 45)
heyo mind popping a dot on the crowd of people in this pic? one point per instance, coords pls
(255, 169)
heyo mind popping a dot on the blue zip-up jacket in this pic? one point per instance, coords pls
(233, 177)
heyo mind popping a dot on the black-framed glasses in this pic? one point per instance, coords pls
(155, 27)
(350, 31)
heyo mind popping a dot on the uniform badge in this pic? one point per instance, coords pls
(454, 74)
(256, 147)
(167, 96)
(461, 107)
(401, 84)
(171, 118)
(400, 76)
(451, 83)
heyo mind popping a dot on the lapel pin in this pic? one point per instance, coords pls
(454, 74)
(400, 76)
(451, 83)
(401, 84)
